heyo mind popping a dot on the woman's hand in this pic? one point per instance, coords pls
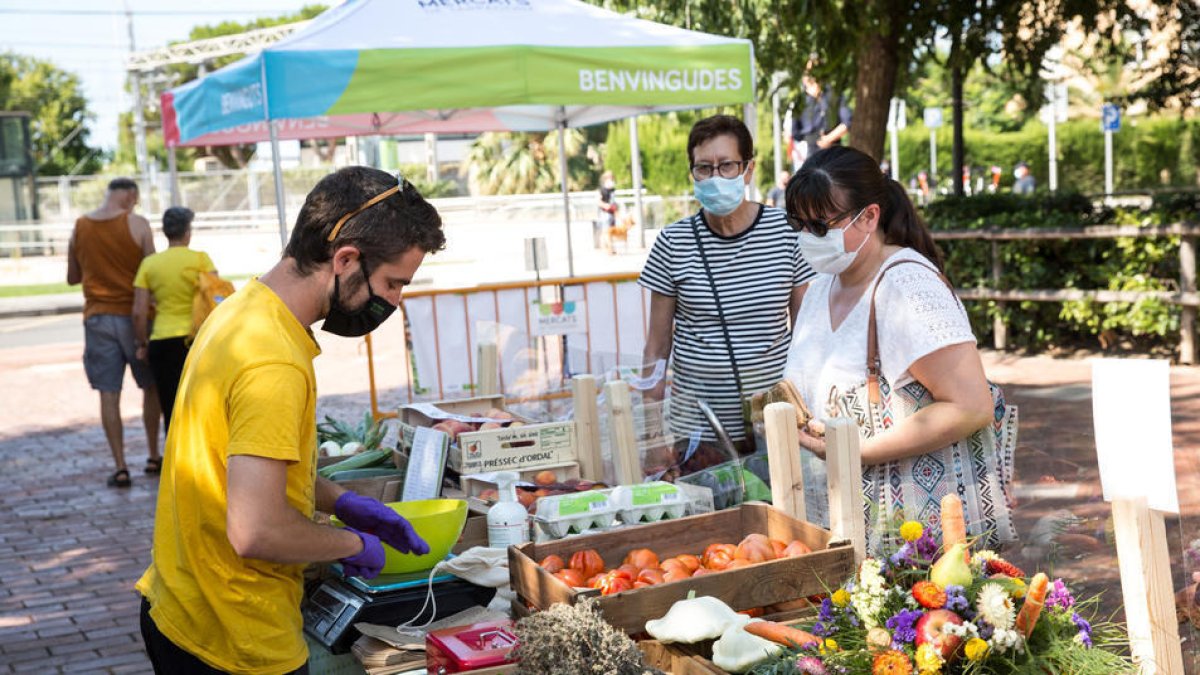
(812, 437)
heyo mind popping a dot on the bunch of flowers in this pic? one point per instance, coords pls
(927, 609)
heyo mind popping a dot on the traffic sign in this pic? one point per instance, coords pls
(1110, 117)
(933, 118)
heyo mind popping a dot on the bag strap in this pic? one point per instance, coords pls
(873, 366)
(737, 375)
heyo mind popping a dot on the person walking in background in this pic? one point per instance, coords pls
(106, 248)
(775, 194)
(821, 121)
(1026, 183)
(607, 210)
(168, 281)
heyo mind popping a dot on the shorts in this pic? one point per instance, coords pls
(108, 346)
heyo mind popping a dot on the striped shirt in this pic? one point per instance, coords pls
(755, 272)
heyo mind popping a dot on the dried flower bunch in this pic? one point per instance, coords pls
(573, 640)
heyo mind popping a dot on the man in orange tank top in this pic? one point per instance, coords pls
(107, 245)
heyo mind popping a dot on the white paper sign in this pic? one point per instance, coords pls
(558, 318)
(1131, 408)
(426, 463)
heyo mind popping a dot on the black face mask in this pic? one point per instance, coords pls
(341, 321)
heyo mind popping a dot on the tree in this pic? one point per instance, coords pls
(59, 111)
(521, 163)
(234, 156)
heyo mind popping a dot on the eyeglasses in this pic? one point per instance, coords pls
(818, 226)
(726, 169)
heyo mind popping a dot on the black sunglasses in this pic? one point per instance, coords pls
(817, 226)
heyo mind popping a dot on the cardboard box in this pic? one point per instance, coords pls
(507, 449)
(474, 484)
(776, 581)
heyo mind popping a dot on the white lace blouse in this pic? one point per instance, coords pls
(916, 315)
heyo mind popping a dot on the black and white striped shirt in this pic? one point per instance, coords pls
(755, 272)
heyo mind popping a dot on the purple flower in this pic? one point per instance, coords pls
(986, 630)
(1085, 629)
(956, 599)
(810, 665)
(1059, 596)
(926, 546)
(903, 557)
(820, 629)
(901, 625)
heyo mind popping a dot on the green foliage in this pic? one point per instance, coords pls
(55, 99)
(1124, 264)
(1148, 152)
(662, 140)
(522, 163)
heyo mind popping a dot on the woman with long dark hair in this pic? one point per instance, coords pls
(881, 337)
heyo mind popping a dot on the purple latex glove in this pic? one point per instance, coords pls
(370, 515)
(367, 562)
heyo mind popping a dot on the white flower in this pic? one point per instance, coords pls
(868, 595)
(1005, 639)
(996, 606)
(980, 557)
(966, 630)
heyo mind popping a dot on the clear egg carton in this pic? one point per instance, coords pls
(562, 515)
(659, 500)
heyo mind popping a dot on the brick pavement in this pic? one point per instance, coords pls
(71, 549)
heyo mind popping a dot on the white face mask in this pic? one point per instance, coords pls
(828, 254)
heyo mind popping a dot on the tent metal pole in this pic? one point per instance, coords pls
(750, 115)
(636, 157)
(173, 170)
(776, 126)
(279, 206)
(562, 172)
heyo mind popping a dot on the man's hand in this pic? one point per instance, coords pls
(369, 561)
(141, 353)
(372, 517)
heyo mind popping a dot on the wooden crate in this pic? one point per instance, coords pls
(767, 583)
(696, 659)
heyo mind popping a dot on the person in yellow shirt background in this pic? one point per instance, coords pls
(167, 280)
(233, 524)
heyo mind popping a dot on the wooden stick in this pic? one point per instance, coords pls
(783, 458)
(626, 462)
(587, 428)
(1146, 587)
(489, 370)
(843, 456)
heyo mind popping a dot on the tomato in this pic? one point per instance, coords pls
(627, 571)
(718, 556)
(570, 577)
(552, 563)
(678, 573)
(651, 576)
(691, 562)
(611, 583)
(796, 548)
(642, 557)
(755, 548)
(588, 562)
(779, 547)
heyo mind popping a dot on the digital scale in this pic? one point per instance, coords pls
(333, 608)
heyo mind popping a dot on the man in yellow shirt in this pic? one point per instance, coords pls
(234, 524)
(167, 279)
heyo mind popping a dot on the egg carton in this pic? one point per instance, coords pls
(562, 515)
(652, 502)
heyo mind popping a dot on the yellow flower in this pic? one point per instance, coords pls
(929, 659)
(829, 646)
(840, 597)
(911, 530)
(976, 649)
(1017, 588)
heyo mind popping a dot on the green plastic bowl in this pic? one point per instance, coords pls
(438, 521)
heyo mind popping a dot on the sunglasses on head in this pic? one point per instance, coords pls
(818, 226)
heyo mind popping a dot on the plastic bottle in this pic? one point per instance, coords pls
(507, 520)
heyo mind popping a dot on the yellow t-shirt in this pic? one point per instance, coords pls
(248, 388)
(171, 277)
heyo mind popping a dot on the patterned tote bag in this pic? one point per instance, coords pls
(978, 468)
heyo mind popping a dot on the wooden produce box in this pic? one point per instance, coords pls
(758, 585)
(696, 659)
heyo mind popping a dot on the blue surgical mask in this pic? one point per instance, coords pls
(720, 196)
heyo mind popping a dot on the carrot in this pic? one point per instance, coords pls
(1035, 599)
(954, 526)
(781, 634)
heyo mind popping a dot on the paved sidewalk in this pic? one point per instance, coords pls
(71, 549)
(41, 305)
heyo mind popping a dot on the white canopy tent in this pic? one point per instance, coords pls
(440, 66)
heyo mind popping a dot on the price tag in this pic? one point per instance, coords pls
(1131, 406)
(426, 463)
